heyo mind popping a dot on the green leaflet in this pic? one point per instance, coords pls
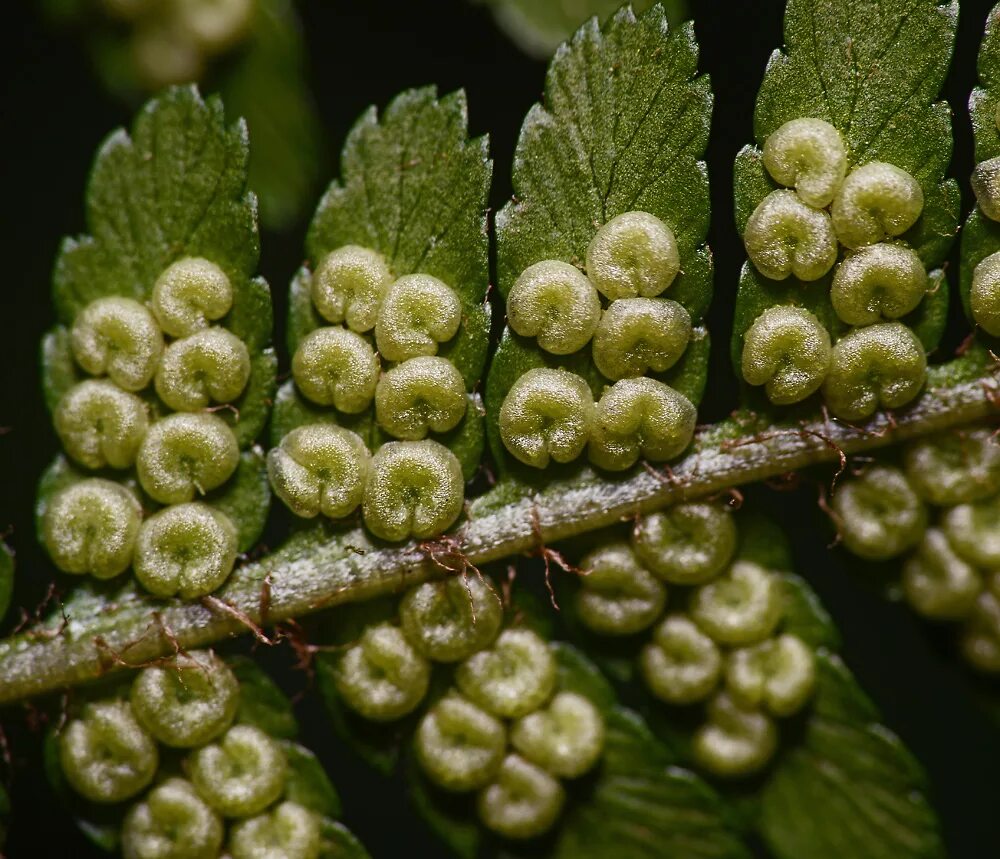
(246, 498)
(262, 703)
(308, 783)
(6, 590)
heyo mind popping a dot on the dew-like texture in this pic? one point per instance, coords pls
(876, 201)
(186, 455)
(448, 621)
(984, 295)
(778, 675)
(105, 754)
(186, 550)
(954, 467)
(172, 822)
(515, 677)
(742, 606)
(320, 468)
(787, 350)
(554, 302)
(681, 665)
(566, 738)
(241, 774)
(209, 366)
(336, 367)
(418, 313)
(348, 287)
(980, 638)
(686, 544)
(419, 396)
(187, 701)
(618, 596)
(459, 746)
(524, 801)
(937, 582)
(882, 281)
(288, 831)
(640, 335)
(734, 742)
(100, 425)
(382, 677)
(191, 294)
(878, 514)
(881, 366)
(118, 338)
(414, 489)
(986, 187)
(633, 254)
(786, 237)
(640, 418)
(807, 155)
(547, 415)
(973, 531)
(91, 527)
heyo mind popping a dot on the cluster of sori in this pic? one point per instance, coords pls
(984, 294)
(549, 414)
(171, 748)
(719, 645)
(411, 487)
(951, 570)
(171, 41)
(148, 415)
(828, 219)
(503, 729)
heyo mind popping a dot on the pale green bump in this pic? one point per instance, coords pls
(878, 514)
(105, 754)
(459, 746)
(524, 801)
(186, 701)
(320, 468)
(172, 822)
(640, 335)
(937, 582)
(787, 350)
(448, 621)
(681, 665)
(382, 676)
(348, 286)
(618, 596)
(807, 155)
(734, 742)
(209, 366)
(984, 296)
(189, 295)
(881, 366)
(686, 544)
(956, 466)
(556, 303)
(241, 773)
(778, 674)
(414, 489)
(91, 527)
(418, 312)
(288, 831)
(742, 606)
(980, 638)
(162, 56)
(187, 550)
(882, 281)
(986, 187)
(876, 201)
(547, 415)
(419, 396)
(566, 738)
(100, 425)
(185, 455)
(640, 418)
(786, 237)
(973, 531)
(216, 25)
(336, 367)
(633, 254)
(513, 678)
(118, 338)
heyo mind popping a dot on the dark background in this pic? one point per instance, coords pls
(54, 114)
